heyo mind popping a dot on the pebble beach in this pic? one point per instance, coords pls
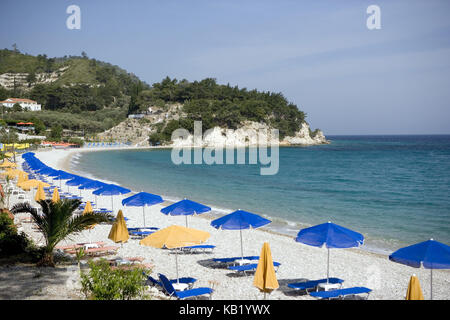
(299, 262)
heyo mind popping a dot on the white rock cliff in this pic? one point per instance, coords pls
(250, 134)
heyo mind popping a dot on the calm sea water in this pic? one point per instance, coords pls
(393, 189)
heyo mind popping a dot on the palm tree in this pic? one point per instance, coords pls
(57, 222)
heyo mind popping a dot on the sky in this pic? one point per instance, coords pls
(321, 55)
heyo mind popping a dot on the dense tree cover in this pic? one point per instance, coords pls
(93, 96)
(88, 121)
(223, 105)
(89, 95)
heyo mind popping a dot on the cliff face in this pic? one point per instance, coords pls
(250, 134)
(303, 137)
(11, 80)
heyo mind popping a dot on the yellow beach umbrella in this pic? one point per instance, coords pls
(12, 173)
(414, 291)
(10, 155)
(119, 231)
(8, 164)
(175, 237)
(33, 183)
(265, 279)
(88, 207)
(22, 177)
(40, 194)
(55, 196)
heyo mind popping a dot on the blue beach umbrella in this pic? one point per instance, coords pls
(77, 181)
(430, 254)
(186, 208)
(61, 175)
(239, 220)
(111, 190)
(91, 185)
(142, 199)
(47, 171)
(332, 236)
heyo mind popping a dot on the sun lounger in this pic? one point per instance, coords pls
(313, 284)
(341, 293)
(97, 251)
(143, 228)
(142, 231)
(168, 287)
(79, 245)
(233, 259)
(202, 248)
(186, 280)
(250, 267)
(26, 220)
(140, 234)
(131, 260)
(133, 266)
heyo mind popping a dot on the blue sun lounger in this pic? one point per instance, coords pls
(233, 259)
(309, 285)
(341, 293)
(141, 232)
(168, 287)
(201, 247)
(187, 280)
(250, 267)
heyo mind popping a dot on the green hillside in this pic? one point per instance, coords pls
(88, 95)
(93, 96)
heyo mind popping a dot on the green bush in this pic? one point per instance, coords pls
(104, 283)
(11, 242)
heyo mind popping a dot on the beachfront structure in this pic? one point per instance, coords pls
(24, 103)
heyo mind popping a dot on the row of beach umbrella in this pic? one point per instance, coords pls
(429, 254)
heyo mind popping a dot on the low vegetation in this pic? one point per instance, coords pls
(57, 222)
(15, 246)
(104, 283)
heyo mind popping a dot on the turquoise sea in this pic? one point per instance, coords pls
(393, 189)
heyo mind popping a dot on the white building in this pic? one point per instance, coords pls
(24, 103)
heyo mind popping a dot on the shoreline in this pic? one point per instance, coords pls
(65, 163)
(299, 262)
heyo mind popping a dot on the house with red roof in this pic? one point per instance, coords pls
(24, 103)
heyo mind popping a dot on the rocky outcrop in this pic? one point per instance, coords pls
(131, 130)
(250, 134)
(11, 80)
(304, 137)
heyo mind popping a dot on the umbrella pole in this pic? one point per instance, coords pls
(176, 263)
(242, 248)
(328, 264)
(112, 204)
(431, 283)
(143, 214)
(186, 222)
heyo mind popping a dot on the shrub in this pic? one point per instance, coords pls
(104, 283)
(11, 242)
